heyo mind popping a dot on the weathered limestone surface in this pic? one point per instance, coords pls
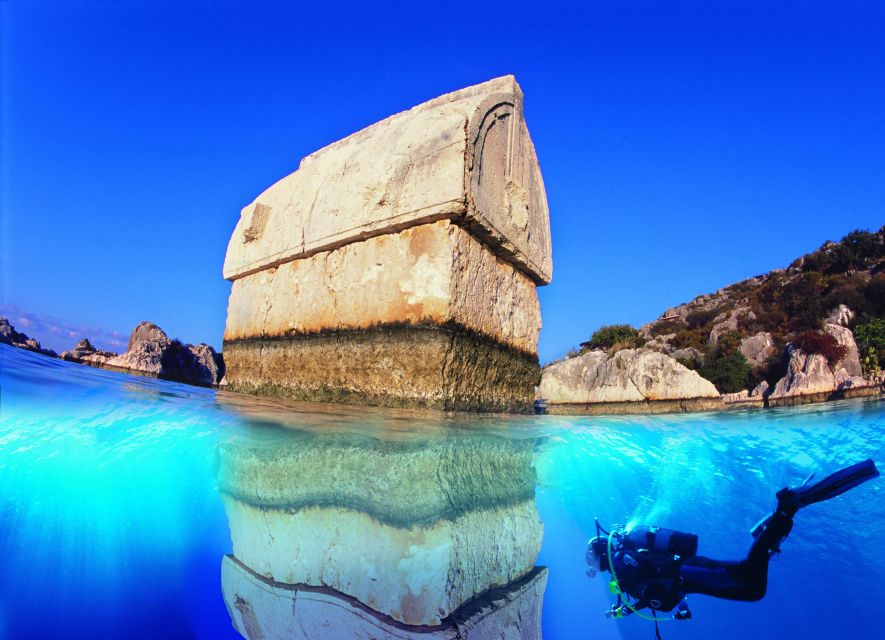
(806, 374)
(262, 609)
(629, 376)
(150, 351)
(398, 266)
(428, 275)
(8, 335)
(757, 348)
(466, 155)
(425, 366)
(85, 352)
(416, 575)
(810, 378)
(849, 365)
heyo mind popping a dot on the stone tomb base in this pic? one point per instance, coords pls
(265, 610)
(427, 317)
(435, 367)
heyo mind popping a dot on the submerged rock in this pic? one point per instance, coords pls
(629, 376)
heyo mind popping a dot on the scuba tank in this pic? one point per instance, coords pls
(658, 540)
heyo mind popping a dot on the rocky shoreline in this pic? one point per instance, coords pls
(626, 382)
(150, 352)
(650, 380)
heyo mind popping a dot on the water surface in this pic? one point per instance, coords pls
(112, 519)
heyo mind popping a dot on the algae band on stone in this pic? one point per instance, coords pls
(398, 266)
(410, 530)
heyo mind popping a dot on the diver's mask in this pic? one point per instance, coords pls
(597, 555)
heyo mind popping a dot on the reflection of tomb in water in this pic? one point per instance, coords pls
(346, 535)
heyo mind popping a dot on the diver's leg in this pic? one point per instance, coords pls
(731, 580)
(746, 579)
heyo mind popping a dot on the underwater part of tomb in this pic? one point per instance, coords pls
(358, 536)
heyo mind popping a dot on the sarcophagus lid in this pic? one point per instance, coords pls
(465, 156)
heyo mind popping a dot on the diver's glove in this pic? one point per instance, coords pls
(618, 611)
(683, 613)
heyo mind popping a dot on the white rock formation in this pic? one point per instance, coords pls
(849, 365)
(806, 374)
(757, 348)
(631, 375)
(841, 316)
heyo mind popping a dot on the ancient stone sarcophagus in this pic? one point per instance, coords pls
(398, 266)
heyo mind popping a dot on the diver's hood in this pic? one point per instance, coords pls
(597, 552)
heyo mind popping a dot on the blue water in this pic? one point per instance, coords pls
(111, 525)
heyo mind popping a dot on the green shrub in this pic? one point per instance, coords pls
(870, 339)
(875, 295)
(856, 251)
(608, 336)
(802, 301)
(729, 372)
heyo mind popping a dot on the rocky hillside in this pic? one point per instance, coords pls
(738, 336)
(812, 331)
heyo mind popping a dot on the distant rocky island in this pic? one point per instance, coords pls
(814, 331)
(149, 352)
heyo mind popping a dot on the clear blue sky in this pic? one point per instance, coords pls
(684, 146)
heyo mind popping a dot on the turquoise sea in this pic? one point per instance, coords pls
(112, 524)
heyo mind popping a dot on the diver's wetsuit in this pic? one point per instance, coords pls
(660, 581)
(745, 579)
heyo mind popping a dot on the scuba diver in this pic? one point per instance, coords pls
(655, 568)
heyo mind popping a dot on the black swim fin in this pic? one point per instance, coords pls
(789, 501)
(833, 485)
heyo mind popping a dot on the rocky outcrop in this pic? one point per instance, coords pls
(757, 349)
(841, 315)
(412, 533)
(755, 398)
(398, 266)
(8, 335)
(152, 352)
(689, 354)
(811, 378)
(638, 377)
(84, 353)
(806, 374)
(849, 365)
